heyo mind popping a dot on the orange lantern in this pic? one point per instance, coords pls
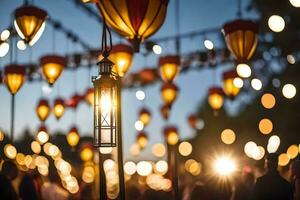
(30, 23)
(145, 116)
(169, 67)
(241, 38)
(148, 75)
(215, 98)
(169, 93)
(230, 89)
(14, 77)
(43, 109)
(74, 101)
(165, 111)
(73, 137)
(121, 55)
(86, 152)
(58, 108)
(89, 96)
(142, 139)
(52, 66)
(134, 19)
(171, 135)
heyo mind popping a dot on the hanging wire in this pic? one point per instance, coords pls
(53, 40)
(105, 49)
(239, 9)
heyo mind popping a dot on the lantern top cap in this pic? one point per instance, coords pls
(61, 60)
(121, 48)
(89, 91)
(170, 129)
(216, 90)
(30, 11)
(86, 145)
(230, 74)
(144, 110)
(142, 134)
(59, 101)
(42, 128)
(14, 69)
(166, 86)
(73, 129)
(174, 59)
(240, 24)
(43, 102)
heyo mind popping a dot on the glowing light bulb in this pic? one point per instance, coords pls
(208, 44)
(243, 70)
(157, 49)
(276, 23)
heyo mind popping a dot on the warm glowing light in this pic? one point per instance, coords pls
(292, 151)
(52, 67)
(224, 166)
(185, 148)
(169, 67)
(256, 84)
(157, 49)
(145, 116)
(73, 137)
(139, 125)
(20, 158)
(1, 136)
(161, 167)
(21, 45)
(42, 135)
(121, 55)
(283, 159)
(140, 95)
(243, 70)
(273, 144)
(158, 150)
(238, 82)
(228, 136)
(276, 23)
(89, 96)
(4, 48)
(265, 126)
(215, 98)
(169, 93)
(43, 109)
(135, 149)
(144, 168)
(289, 91)
(105, 150)
(5, 35)
(250, 149)
(86, 154)
(291, 59)
(14, 77)
(208, 44)
(229, 87)
(195, 168)
(35, 147)
(142, 139)
(295, 3)
(10, 151)
(268, 100)
(130, 168)
(258, 153)
(58, 108)
(88, 174)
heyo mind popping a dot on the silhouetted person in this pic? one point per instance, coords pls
(295, 168)
(28, 189)
(272, 186)
(244, 188)
(8, 173)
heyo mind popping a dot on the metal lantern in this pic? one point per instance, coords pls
(142, 139)
(89, 96)
(171, 135)
(30, 23)
(165, 111)
(145, 116)
(169, 67)
(241, 38)
(14, 77)
(134, 19)
(230, 89)
(106, 105)
(52, 67)
(73, 137)
(43, 109)
(58, 108)
(215, 98)
(169, 93)
(121, 55)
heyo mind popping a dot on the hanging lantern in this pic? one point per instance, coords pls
(145, 116)
(43, 109)
(58, 108)
(169, 67)
(241, 38)
(169, 93)
(171, 135)
(230, 89)
(192, 121)
(106, 107)
(89, 96)
(86, 152)
(148, 75)
(14, 77)
(142, 139)
(135, 19)
(73, 137)
(121, 55)
(30, 23)
(52, 67)
(74, 101)
(165, 111)
(215, 98)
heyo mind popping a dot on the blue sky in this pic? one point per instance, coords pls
(194, 15)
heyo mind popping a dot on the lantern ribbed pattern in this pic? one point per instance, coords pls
(121, 55)
(228, 84)
(14, 77)
(169, 67)
(215, 98)
(52, 67)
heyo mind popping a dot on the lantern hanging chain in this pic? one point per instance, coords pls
(177, 22)
(53, 40)
(104, 48)
(239, 9)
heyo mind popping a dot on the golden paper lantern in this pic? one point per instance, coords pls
(165, 111)
(14, 77)
(89, 96)
(136, 20)
(145, 116)
(43, 109)
(142, 139)
(52, 67)
(171, 135)
(215, 98)
(58, 108)
(86, 152)
(73, 137)
(230, 89)
(121, 55)
(30, 23)
(169, 67)
(169, 93)
(241, 38)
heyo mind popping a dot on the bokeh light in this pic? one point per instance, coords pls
(35, 147)
(5, 35)
(292, 151)
(268, 100)
(291, 59)
(208, 44)
(161, 167)
(256, 84)
(140, 95)
(157, 49)
(289, 91)
(243, 70)
(185, 148)
(158, 150)
(144, 168)
(276, 23)
(10, 151)
(139, 125)
(238, 82)
(228, 136)
(224, 166)
(265, 126)
(295, 3)
(130, 168)
(283, 159)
